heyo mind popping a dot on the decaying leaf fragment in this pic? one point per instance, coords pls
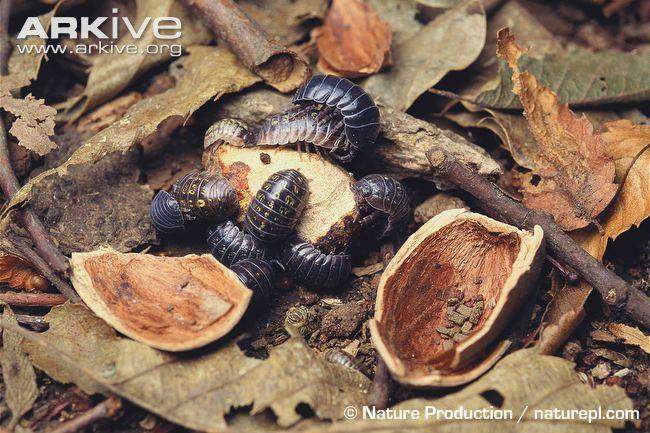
(450, 42)
(630, 335)
(448, 293)
(528, 385)
(18, 373)
(572, 176)
(328, 219)
(193, 391)
(171, 303)
(19, 274)
(354, 41)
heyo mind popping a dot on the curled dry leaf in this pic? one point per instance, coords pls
(196, 391)
(448, 293)
(524, 383)
(207, 73)
(572, 176)
(331, 209)
(19, 274)
(630, 335)
(451, 42)
(435, 204)
(354, 41)
(170, 303)
(626, 144)
(18, 375)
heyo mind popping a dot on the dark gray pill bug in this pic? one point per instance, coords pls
(166, 213)
(337, 356)
(229, 245)
(310, 266)
(258, 275)
(276, 208)
(205, 196)
(378, 193)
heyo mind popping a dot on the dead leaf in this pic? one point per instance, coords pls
(286, 20)
(572, 176)
(451, 42)
(527, 384)
(368, 270)
(630, 335)
(435, 204)
(207, 73)
(170, 303)
(107, 114)
(34, 122)
(111, 73)
(18, 373)
(195, 391)
(401, 16)
(354, 41)
(19, 274)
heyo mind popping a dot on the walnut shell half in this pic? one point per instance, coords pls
(448, 294)
(170, 303)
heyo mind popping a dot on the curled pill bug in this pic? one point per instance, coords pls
(310, 266)
(258, 275)
(333, 115)
(337, 356)
(205, 196)
(229, 245)
(379, 195)
(166, 213)
(277, 206)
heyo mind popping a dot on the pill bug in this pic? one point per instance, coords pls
(379, 195)
(230, 131)
(166, 213)
(276, 207)
(230, 245)
(258, 275)
(333, 114)
(337, 356)
(204, 195)
(296, 320)
(310, 266)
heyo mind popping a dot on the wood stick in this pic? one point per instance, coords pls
(259, 52)
(613, 289)
(104, 410)
(8, 181)
(22, 299)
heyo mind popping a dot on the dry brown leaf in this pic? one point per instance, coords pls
(354, 41)
(630, 335)
(368, 270)
(139, 295)
(19, 274)
(572, 177)
(207, 73)
(34, 122)
(451, 42)
(18, 374)
(198, 390)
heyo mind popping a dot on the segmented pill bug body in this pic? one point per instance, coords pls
(276, 207)
(166, 213)
(258, 275)
(230, 131)
(380, 193)
(229, 245)
(337, 356)
(333, 114)
(205, 196)
(296, 320)
(310, 266)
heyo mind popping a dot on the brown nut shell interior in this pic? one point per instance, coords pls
(170, 303)
(447, 295)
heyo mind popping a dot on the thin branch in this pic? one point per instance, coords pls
(22, 299)
(8, 181)
(613, 289)
(104, 410)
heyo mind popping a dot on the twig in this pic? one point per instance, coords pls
(104, 410)
(613, 289)
(21, 299)
(280, 67)
(382, 382)
(36, 323)
(8, 181)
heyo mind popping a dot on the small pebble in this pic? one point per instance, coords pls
(466, 328)
(265, 158)
(601, 371)
(457, 318)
